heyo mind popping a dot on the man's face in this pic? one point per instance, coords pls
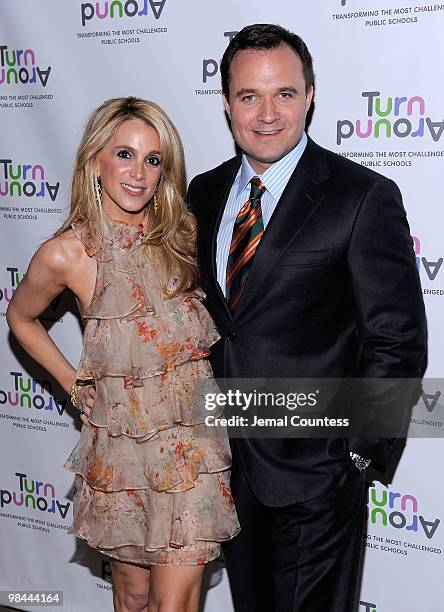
(267, 104)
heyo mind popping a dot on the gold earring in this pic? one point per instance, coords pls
(98, 191)
(155, 204)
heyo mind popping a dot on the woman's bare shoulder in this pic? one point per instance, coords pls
(60, 254)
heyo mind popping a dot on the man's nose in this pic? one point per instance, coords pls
(268, 111)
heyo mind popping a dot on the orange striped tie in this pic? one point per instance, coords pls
(247, 232)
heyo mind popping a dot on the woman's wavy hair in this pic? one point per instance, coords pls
(171, 233)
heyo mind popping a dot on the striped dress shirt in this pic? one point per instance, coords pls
(275, 179)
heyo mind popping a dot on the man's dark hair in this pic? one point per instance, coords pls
(264, 37)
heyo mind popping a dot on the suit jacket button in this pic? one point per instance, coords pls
(231, 336)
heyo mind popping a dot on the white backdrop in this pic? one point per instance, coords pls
(379, 100)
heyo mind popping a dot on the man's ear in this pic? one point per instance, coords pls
(309, 98)
(226, 105)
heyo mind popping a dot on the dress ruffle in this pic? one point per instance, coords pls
(151, 528)
(135, 443)
(155, 404)
(152, 480)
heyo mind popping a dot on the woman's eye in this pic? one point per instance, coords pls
(153, 161)
(124, 154)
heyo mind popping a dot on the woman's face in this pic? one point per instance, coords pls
(129, 166)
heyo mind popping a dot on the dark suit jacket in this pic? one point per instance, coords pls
(333, 293)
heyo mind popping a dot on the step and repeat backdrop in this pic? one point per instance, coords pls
(379, 101)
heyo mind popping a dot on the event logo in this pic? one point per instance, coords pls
(399, 511)
(25, 392)
(399, 117)
(428, 412)
(430, 267)
(19, 66)
(116, 9)
(430, 400)
(368, 607)
(35, 495)
(210, 67)
(25, 180)
(15, 277)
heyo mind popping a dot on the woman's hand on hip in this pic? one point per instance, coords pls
(85, 401)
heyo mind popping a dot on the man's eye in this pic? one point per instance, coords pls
(124, 154)
(247, 99)
(286, 94)
(153, 161)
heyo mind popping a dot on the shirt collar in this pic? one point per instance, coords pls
(277, 175)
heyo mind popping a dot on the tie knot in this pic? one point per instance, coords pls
(257, 188)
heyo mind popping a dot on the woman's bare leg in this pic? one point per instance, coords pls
(131, 587)
(175, 589)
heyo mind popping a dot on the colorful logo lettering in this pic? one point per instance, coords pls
(430, 400)
(15, 277)
(118, 9)
(19, 66)
(32, 394)
(210, 67)
(34, 495)
(399, 511)
(401, 117)
(25, 180)
(430, 267)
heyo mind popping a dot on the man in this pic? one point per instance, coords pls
(309, 271)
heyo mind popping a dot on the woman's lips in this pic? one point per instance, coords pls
(132, 190)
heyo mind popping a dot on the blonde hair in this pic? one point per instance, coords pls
(171, 233)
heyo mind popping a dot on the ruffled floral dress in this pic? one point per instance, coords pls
(152, 480)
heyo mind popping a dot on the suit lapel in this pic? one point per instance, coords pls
(302, 195)
(221, 192)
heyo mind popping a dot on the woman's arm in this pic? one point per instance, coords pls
(48, 275)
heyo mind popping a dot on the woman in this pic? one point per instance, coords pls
(152, 483)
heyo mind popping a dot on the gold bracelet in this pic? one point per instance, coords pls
(80, 382)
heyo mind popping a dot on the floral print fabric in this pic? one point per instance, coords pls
(152, 481)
